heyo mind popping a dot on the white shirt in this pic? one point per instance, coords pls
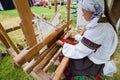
(102, 34)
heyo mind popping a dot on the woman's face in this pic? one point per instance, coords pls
(87, 14)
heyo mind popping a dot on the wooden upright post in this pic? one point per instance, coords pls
(115, 11)
(112, 11)
(55, 4)
(26, 16)
(68, 11)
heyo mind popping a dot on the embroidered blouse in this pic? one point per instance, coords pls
(103, 34)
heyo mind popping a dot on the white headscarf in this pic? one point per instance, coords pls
(96, 6)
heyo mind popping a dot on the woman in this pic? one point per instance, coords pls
(95, 46)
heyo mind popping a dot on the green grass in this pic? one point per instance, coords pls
(9, 72)
(7, 69)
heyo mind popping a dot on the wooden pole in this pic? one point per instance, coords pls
(13, 29)
(68, 11)
(60, 69)
(55, 4)
(26, 56)
(3, 32)
(26, 16)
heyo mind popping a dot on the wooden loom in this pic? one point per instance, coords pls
(29, 59)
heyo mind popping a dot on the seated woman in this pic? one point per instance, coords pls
(94, 47)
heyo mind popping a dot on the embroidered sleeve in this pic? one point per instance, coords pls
(90, 44)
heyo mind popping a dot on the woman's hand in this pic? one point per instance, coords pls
(59, 43)
(69, 34)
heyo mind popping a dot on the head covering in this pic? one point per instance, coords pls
(96, 6)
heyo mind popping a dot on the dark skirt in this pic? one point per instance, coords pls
(85, 67)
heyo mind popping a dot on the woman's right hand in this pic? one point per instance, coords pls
(59, 43)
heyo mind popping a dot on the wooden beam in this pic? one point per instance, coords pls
(13, 29)
(26, 16)
(7, 38)
(68, 11)
(26, 56)
(55, 5)
(60, 69)
(115, 11)
(4, 41)
(112, 10)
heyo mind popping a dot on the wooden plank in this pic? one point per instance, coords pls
(26, 56)
(2, 31)
(60, 69)
(26, 16)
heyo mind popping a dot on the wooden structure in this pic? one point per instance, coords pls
(30, 59)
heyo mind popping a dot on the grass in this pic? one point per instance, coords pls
(10, 18)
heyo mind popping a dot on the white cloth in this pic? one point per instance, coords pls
(102, 34)
(96, 6)
(110, 68)
(81, 22)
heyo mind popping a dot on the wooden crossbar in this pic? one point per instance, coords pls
(13, 29)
